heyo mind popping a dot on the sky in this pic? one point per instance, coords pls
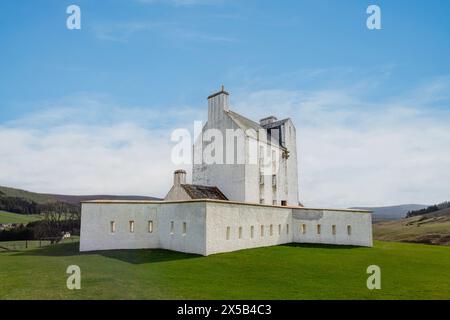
(91, 111)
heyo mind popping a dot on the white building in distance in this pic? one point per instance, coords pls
(244, 195)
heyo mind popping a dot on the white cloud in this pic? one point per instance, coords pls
(184, 3)
(91, 149)
(170, 31)
(351, 152)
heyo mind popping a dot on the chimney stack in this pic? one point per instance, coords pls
(268, 120)
(218, 103)
(179, 177)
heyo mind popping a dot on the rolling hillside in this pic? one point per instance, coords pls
(42, 198)
(8, 217)
(431, 228)
(392, 212)
(17, 201)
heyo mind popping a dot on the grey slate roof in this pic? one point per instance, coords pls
(203, 192)
(245, 123)
(275, 124)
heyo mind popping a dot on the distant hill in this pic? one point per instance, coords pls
(392, 212)
(430, 228)
(26, 195)
(79, 199)
(26, 202)
(430, 209)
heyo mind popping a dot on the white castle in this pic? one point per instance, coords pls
(243, 194)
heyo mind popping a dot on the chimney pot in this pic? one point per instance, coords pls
(267, 120)
(179, 177)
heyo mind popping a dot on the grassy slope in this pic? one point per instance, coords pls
(36, 197)
(43, 198)
(409, 271)
(429, 228)
(9, 217)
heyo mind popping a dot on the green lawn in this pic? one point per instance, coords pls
(9, 217)
(409, 271)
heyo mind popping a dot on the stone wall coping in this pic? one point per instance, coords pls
(99, 201)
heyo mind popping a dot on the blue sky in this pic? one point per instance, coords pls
(144, 67)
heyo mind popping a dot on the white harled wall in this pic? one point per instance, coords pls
(207, 222)
(96, 218)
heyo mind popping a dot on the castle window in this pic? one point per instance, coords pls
(349, 230)
(274, 161)
(261, 201)
(150, 226)
(271, 230)
(240, 232)
(228, 233)
(112, 226)
(252, 232)
(333, 229)
(262, 231)
(172, 227)
(261, 178)
(284, 203)
(279, 229)
(184, 228)
(318, 228)
(274, 202)
(261, 154)
(287, 229)
(274, 181)
(131, 224)
(303, 229)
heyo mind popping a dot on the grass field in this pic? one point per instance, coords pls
(409, 271)
(9, 217)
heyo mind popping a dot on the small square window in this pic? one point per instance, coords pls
(252, 232)
(262, 231)
(228, 233)
(279, 229)
(349, 230)
(172, 227)
(333, 229)
(112, 226)
(150, 226)
(240, 232)
(319, 228)
(184, 228)
(303, 229)
(287, 229)
(284, 203)
(271, 230)
(131, 224)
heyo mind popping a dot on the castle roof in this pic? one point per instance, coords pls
(245, 124)
(196, 191)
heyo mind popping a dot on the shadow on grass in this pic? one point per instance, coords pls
(320, 246)
(134, 256)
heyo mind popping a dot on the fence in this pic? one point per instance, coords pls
(32, 244)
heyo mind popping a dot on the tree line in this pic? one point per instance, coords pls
(58, 218)
(430, 209)
(24, 206)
